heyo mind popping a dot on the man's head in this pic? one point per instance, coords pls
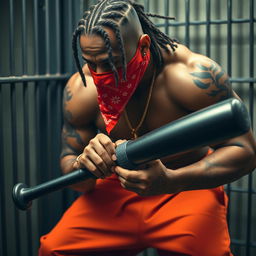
(111, 31)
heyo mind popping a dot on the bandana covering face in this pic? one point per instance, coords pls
(112, 99)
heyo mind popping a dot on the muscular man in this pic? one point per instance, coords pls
(135, 80)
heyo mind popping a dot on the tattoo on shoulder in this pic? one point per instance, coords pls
(67, 96)
(212, 76)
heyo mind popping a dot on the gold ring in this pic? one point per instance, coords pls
(77, 159)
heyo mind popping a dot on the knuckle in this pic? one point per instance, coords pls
(145, 179)
(102, 154)
(83, 161)
(125, 184)
(87, 150)
(128, 176)
(92, 142)
(108, 143)
(99, 135)
(93, 169)
(79, 157)
(99, 162)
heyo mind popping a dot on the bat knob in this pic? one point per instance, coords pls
(19, 198)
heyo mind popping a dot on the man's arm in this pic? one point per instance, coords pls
(205, 84)
(72, 146)
(75, 134)
(231, 159)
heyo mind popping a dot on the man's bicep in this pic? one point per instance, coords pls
(74, 140)
(245, 141)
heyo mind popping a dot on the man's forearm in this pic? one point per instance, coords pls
(223, 166)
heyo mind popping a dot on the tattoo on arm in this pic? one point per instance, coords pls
(214, 164)
(212, 75)
(67, 96)
(67, 150)
(68, 133)
(211, 165)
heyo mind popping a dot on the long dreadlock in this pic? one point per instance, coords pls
(113, 14)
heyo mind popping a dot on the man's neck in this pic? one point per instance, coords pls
(146, 80)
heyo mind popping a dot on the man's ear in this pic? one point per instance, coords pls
(145, 43)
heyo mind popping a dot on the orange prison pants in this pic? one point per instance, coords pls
(113, 221)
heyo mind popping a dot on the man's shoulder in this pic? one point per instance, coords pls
(193, 80)
(79, 101)
(76, 84)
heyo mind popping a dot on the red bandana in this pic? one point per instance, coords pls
(112, 99)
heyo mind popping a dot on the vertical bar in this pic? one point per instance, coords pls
(45, 142)
(187, 20)
(11, 37)
(71, 65)
(38, 153)
(208, 28)
(251, 49)
(166, 24)
(14, 156)
(58, 45)
(229, 67)
(81, 8)
(36, 57)
(24, 38)
(1, 180)
(26, 161)
(146, 5)
(41, 156)
(251, 108)
(74, 24)
(60, 87)
(49, 126)
(229, 42)
(32, 132)
(47, 36)
(2, 183)
(60, 100)
(9, 158)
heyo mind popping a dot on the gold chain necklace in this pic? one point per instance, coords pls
(135, 130)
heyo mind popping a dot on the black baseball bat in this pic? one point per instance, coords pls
(211, 125)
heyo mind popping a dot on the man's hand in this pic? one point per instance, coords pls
(152, 179)
(98, 156)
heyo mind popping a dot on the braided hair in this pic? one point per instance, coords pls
(113, 14)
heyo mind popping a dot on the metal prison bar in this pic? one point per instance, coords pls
(35, 64)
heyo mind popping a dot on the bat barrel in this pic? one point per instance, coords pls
(211, 125)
